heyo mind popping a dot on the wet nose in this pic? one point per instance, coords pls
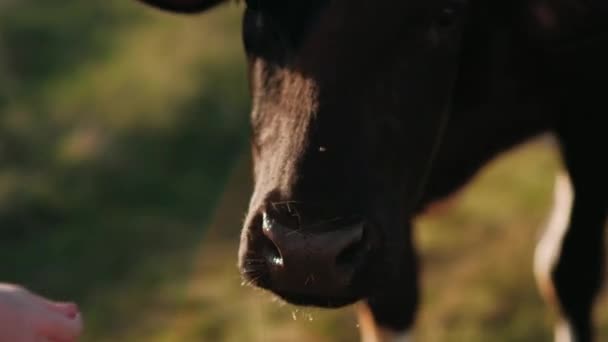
(318, 259)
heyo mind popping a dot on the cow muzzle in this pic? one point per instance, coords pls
(318, 264)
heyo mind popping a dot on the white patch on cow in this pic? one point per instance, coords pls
(371, 332)
(564, 333)
(549, 247)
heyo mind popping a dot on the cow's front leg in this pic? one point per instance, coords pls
(389, 315)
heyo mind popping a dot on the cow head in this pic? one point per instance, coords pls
(349, 99)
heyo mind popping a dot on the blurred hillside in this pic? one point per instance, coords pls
(124, 178)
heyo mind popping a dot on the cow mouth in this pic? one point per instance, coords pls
(332, 302)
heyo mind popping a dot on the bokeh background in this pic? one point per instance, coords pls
(124, 178)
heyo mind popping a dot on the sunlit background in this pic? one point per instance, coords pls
(124, 178)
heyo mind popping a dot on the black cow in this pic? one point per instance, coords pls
(364, 112)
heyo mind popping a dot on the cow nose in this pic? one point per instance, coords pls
(319, 260)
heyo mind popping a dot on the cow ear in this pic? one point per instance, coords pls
(183, 6)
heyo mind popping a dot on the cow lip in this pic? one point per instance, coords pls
(301, 299)
(352, 294)
(317, 301)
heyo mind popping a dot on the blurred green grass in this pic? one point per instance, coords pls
(117, 130)
(124, 178)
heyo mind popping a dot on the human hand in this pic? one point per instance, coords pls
(27, 317)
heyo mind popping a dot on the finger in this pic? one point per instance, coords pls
(56, 326)
(68, 309)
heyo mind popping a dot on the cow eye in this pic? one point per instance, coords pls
(253, 29)
(446, 17)
(261, 34)
(450, 14)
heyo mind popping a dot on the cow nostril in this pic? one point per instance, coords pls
(352, 254)
(271, 252)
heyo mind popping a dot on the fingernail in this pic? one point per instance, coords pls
(71, 309)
